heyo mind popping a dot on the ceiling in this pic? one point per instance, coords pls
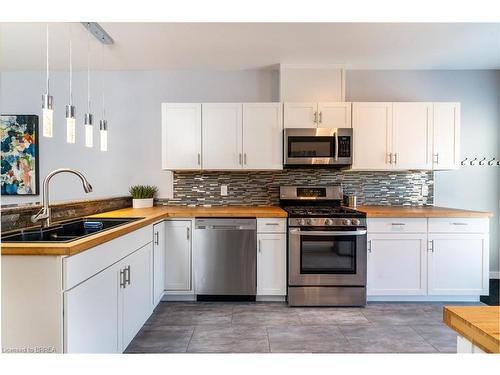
(159, 46)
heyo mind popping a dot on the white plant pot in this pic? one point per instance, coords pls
(142, 203)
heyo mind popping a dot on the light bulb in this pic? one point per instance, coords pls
(70, 124)
(89, 130)
(48, 116)
(103, 130)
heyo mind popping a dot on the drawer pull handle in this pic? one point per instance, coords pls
(274, 224)
(398, 224)
(459, 224)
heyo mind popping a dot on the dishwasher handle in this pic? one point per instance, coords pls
(223, 224)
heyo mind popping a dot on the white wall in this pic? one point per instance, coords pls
(475, 188)
(134, 117)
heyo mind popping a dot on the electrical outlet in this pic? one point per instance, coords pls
(223, 190)
(425, 190)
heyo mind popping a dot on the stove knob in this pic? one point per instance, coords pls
(302, 222)
(309, 221)
(328, 221)
(355, 222)
(346, 222)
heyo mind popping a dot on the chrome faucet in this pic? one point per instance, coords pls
(44, 213)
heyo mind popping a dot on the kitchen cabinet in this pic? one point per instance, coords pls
(221, 135)
(372, 132)
(178, 255)
(458, 263)
(159, 262)
(397, 264)
(262, 136)
(181, 136)
(446, 136)
(412, 135)
(91, 314)
(135, 287)
(405, 136)
(271, 257)
(317, 115)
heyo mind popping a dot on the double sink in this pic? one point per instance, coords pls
(67, 231)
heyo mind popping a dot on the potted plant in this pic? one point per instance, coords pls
(142, 195)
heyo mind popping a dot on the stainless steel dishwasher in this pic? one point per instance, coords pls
(225, 260)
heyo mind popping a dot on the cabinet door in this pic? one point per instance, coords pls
(271, 264)
(136, 295)
(181, 136)
(397, 264)
(158, 262)
(178, 255)
(446, 135)
(222, 139)
(300, 115)
(334, 115)
(91, 315)
(262, 136)
(458, 264)
(412, 135)
(372, 124)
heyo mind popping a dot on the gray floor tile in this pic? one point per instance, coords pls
(307, 339)
(234, 339)
(265, 318)
(385, 339)
(441, 337)
(402, 317)
(166, 339)
(321, 316)
(191, 317)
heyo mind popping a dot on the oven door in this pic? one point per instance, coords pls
(319, 146)
(326, 257)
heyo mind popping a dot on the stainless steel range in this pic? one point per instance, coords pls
(326, 247)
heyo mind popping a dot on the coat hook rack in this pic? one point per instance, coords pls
(463, 161)
(492, 162)
(481, 162)
(473, 161)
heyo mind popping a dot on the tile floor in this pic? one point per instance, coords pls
(215, 327)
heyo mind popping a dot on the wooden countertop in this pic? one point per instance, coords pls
(423, 212)
(478, 324)
(147, 215)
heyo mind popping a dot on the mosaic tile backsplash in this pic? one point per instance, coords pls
(262, 188)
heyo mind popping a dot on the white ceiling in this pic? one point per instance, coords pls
(153, 46)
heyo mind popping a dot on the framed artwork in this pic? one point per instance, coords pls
(19, 148)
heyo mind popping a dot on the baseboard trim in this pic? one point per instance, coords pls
(423, 298)
(179, 297)
(270, 298)
(494, 275)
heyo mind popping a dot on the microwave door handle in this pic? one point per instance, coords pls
(336, 146)
(329, 233)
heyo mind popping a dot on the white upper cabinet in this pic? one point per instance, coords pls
(181, 136)
(222, 138)
(334, 115)
(418, 135)
(262, 135)
(300, 115)
(412, 135)
(372, 129)
(446, 136)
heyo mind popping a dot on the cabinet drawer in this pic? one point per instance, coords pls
(271, 225)
(459, 225)
(397, 225)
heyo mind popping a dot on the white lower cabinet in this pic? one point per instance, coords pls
(458, 264)
(178, 252)
(159, 263)
(91, 314)
(397, 264)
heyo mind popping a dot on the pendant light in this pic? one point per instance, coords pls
(47, 100)
(103, 124)
(89, 128)
(70, 109)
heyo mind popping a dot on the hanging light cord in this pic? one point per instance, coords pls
(70, 68)
(88, 71)
(47, 54)
(102, 83)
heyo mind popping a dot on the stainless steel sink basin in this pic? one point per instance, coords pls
(67, 231)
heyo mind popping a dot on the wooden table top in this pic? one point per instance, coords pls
(478, 324)
(147, 215)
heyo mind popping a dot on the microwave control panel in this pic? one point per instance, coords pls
(344, 147)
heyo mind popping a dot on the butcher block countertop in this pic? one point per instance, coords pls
(478, 324)
(147, 215)
(413, 211)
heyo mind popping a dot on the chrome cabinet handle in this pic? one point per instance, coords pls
(123, 283)
(328, 233)
(370, 246)
(187, 233)
(320, 117)
(272, 224)
(390, 158)
(199, 158)
(157, 238)
(459, 224)
(260, 246)
(315, 117)
(127, 275)
(398, 224)
(245, 158)
(239, 159)
(396, 158)
(436, 158)
(431, 246)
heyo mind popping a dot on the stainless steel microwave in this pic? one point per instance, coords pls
(317, 147)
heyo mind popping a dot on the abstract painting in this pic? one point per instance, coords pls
(19, 146)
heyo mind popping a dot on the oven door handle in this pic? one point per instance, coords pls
(328, 233)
